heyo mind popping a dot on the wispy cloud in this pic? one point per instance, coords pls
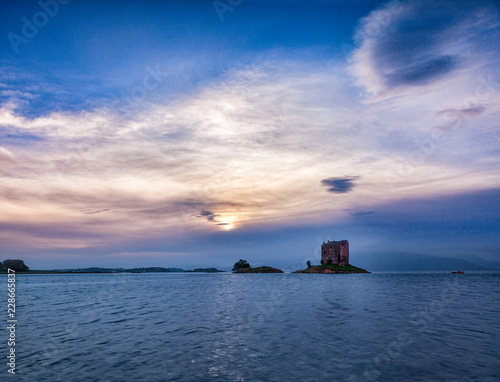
(463, 112)
(244, 151)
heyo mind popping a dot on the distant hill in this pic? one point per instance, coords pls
(206, 270)
(121, 270)
(262, 269)
(480, 261)
(413, 262)
(132, 270)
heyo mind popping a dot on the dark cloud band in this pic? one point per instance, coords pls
(340, 185)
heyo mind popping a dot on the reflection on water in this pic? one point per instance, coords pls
(275, 327)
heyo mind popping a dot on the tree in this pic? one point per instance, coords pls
(16, 265)
(240, 264)
(308, 264)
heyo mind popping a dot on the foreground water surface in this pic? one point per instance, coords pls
(257, 327)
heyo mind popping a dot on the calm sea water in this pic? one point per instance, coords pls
(275, 327)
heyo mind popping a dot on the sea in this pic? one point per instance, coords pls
(255, 327)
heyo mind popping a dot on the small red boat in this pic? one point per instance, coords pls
(458, 273)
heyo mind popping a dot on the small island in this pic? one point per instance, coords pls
(334, 259)
(242, 266)
(332, 268)
(17, 266)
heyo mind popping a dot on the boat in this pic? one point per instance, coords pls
(458, 273)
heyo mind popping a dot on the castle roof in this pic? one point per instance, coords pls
(336, 242)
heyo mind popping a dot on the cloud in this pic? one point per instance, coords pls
(339, 185)
(408, 44)
(242, 151)
(459, 216)
(6, 155)
(95, 212)
(209, 215)
(363, 213)
(213, 218)
(464, 112)
(421, 72)
(17, 136)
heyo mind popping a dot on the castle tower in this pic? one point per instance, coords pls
(335, 252)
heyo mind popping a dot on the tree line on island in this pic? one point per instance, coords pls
(15, 265)
(241, 266)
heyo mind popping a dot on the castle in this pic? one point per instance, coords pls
(335, 252)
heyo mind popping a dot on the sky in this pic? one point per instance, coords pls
(195, 133)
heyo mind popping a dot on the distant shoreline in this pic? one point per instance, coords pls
(118, 270)
(49, 272)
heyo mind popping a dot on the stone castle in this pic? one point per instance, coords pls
(335, 252)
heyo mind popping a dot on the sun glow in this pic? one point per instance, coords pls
(229, 223)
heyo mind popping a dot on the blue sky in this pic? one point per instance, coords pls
(94, 52)
(187, 133)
